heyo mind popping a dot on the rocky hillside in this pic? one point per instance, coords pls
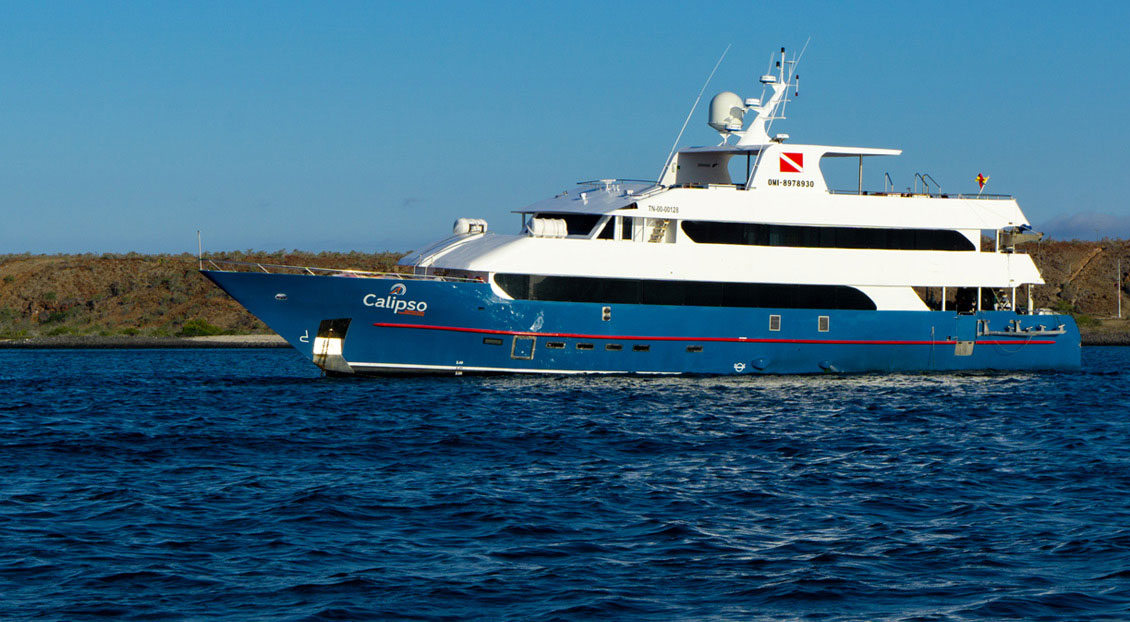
(1083, 277)
(163, 295)
(147, 295)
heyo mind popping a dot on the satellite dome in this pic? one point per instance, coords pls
(726, 112)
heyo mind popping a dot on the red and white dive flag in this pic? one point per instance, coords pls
(981, 181)
(792, 162)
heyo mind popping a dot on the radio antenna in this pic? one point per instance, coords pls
(690, 114)
(790, 78)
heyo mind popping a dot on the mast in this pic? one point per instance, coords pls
(758, 131)
(728, 110)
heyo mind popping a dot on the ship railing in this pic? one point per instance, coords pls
(600, 182)
(633, 187)
(932, 195)
(226, 265)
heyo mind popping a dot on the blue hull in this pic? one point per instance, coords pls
(381, 326)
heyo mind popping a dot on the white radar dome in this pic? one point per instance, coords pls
(726, 112)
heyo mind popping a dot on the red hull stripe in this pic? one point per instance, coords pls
(862, 342)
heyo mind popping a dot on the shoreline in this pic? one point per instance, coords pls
(122, 342)
(1105, 339)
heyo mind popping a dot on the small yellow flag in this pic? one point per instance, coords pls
(981, 181)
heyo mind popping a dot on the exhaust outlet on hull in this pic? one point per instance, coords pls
(328, 346)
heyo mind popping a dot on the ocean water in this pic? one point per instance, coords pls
(240, 485)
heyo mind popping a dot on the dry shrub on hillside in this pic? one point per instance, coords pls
(135, 294)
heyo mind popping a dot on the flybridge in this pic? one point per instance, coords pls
(769, 164)
(776, 169)
(766, 165)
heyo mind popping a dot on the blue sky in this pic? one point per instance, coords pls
(371, 126)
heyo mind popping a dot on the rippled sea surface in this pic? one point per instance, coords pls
(240, 485)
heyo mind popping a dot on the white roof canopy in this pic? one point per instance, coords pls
(832, 151)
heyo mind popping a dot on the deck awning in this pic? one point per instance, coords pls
(831, 151)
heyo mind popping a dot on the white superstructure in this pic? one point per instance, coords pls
(773, 221)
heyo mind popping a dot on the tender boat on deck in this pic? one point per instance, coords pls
(738, 260)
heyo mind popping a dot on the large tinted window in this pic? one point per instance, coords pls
(692, 293)
(576, 224)
(705, 232)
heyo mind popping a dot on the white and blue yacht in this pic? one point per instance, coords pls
(739, 259)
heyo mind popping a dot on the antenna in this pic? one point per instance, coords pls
(802, 50)
(199, 249)
(675, 146)
(787, 68)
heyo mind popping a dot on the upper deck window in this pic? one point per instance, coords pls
(682, 293)
(755, 234)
